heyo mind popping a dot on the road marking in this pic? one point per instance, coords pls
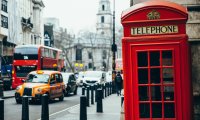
(63, 110)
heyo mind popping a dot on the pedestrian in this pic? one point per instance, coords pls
(118, 83)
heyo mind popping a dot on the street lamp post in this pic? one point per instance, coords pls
(114, 46)
(114, 49)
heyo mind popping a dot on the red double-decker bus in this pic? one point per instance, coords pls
(28, 58)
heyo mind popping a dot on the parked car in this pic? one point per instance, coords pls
(94, 78)
(70, 83)
(80, 78)
(109, 76)
(41, 82)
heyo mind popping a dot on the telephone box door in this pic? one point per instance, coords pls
(156, 78)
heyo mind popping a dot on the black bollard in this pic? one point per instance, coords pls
(1, 109)
(92, 95)
(95, 89)
(122, 100)
(45, 107)
(25, 108)
(1, 89)
(111, 88)
(105, 90)
(88, 96)
(99, 101)
(83, 90)
(108, 89)
(102, 87)
(83, 108)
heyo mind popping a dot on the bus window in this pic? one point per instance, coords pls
(22, 71)
(26, 53)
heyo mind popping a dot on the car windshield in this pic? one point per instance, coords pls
(38, 78)
(94, 74)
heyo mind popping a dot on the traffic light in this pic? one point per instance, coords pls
(114, 47)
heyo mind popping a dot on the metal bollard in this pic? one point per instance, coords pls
(122, 100)
(110, 88)
(88, 96)
(45, 107)
(1, 89)
(102, 87)
(92, 95)
(1, 109)
(25, 108)
(83, 90)
(83, 108)
(95, 89)
(105, 90)
(99, 101)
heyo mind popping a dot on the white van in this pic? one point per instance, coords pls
(94, 78)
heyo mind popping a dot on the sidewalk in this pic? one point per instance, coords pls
(111, 110)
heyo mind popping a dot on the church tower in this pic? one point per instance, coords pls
(104, 22)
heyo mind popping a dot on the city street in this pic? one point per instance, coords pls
(100, 60)
(13, 111)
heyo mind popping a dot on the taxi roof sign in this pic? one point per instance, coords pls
(40, 72)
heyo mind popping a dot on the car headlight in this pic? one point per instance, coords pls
(18, 87)
(39, 90)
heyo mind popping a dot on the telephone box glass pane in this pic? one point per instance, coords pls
(142, 59)
(168, 75)
(155, 75)
(155, 58)
(167, 58)
(169, 93)
(156, 110)
(144, 110)
(169, 110)
(156, 93)
(143, 76)
(143, 93)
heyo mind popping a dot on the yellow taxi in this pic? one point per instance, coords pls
(41, 82)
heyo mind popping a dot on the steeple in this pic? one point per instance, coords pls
(104, 19)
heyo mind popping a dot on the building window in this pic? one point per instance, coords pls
(4, 5)
(78, 54)
(90, 65)
(90, 55)
(4, 21)
(104, 54)
(102, 19)
(103, 7)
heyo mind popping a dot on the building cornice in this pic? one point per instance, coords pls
(40, 2)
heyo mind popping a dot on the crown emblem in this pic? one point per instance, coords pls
(153, 15)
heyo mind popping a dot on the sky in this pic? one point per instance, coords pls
(76, 15)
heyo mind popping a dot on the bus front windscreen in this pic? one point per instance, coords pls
(26, 53)
(22, 71)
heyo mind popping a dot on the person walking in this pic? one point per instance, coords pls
(118, 83)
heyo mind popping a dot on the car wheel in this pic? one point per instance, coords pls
(61, 98)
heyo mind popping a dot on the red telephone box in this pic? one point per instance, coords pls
(157, 83)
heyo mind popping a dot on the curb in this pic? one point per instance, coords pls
(7, 97)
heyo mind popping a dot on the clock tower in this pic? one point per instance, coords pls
(104, 21)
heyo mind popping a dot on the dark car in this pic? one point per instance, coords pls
(70, 83)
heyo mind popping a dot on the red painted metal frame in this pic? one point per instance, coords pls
(170, 14)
